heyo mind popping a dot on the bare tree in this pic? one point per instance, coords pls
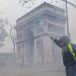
(12, 34)
(13, 37)
(28, 3)
(3, 33)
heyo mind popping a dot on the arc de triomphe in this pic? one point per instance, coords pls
(34, 46)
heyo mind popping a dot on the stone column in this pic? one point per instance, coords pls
(29, 48)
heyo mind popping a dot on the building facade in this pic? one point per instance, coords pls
(6, 60)
(34, 29)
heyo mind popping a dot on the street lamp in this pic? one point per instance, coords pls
(66, 9)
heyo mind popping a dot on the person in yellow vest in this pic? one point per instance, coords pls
(68, 54)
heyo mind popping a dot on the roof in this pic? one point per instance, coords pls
(39, 7)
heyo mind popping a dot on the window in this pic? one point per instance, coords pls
(39, 27)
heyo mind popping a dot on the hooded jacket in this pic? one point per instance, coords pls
(68, 59)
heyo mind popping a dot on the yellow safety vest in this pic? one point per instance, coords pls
(71, 51)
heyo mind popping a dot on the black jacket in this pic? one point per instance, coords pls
(68, 59)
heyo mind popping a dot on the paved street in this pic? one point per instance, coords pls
(31, 72)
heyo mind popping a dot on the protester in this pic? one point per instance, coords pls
(68, 54)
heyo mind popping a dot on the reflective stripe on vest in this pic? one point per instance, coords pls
(71, 51)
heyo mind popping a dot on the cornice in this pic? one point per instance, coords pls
(45, 7)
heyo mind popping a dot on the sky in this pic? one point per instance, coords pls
(12, 10)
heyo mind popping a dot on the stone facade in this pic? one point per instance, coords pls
(34, 29)
(7, 59)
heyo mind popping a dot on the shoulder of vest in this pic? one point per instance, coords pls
(73, 45)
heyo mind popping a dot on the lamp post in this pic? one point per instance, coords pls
(66, 10)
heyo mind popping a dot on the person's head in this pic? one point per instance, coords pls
(64, 40)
